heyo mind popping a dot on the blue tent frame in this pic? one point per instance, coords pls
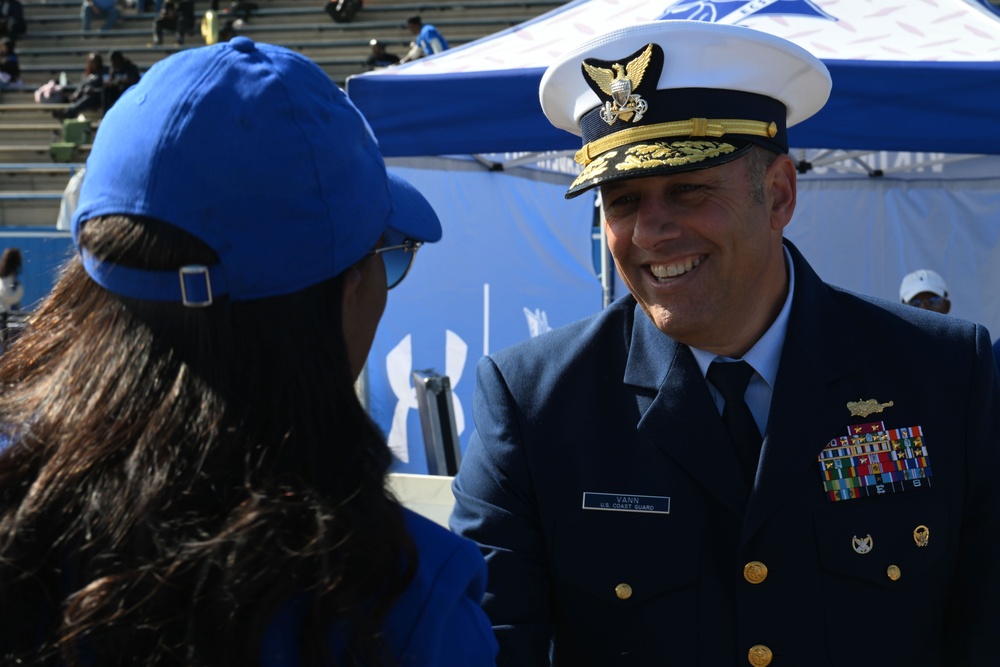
(946, 107)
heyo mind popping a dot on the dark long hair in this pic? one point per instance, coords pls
(175, 475)
(94, 65)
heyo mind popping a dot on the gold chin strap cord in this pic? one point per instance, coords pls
(695, 127)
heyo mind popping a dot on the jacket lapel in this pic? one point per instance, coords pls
(807, 407)
(678, 415)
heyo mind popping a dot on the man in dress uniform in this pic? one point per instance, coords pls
(736, 464)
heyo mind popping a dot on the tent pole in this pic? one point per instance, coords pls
(607, 282)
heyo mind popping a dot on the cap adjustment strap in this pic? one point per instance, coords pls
(193, 285)
(695, 127)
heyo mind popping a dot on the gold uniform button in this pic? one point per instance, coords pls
(755, 572)
(623, 591)
(760, 656)
(893, 572)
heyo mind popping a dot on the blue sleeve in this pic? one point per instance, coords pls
(436, 622)
(439, 621)
(495, 507)
(974, 612)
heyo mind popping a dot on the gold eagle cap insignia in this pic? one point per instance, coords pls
(864, 408)
(617, 82)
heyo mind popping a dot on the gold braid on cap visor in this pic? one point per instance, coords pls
(695, 127)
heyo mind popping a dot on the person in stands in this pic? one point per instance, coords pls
(106, 9)
(379, 57)
(123, 75)
(10, 67)
(89, 95)
(428, 40)
(12, 21)
(176, 16)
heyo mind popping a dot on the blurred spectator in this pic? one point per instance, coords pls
(10, 70)
(12, 22)
(177, 16)
(342, 11)
(925, 289)
(106, 8)
(428, 39)
(238, 8)
(380, 58)
(229, 29)
(123, 75)
(11, 288)
(90, 95)
(11, 293)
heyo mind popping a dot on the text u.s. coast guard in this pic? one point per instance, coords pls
(626, 502)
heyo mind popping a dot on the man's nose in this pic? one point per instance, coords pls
(656, 221)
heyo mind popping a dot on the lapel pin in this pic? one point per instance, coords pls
(921, 535)
(865, 408)
(862, 545)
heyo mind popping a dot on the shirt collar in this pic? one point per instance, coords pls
(765, 354)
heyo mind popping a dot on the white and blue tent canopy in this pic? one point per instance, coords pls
(918, 76)
(908, 76)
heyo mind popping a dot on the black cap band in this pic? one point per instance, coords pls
(697, 104)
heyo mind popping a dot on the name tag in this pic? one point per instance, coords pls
(622, 502)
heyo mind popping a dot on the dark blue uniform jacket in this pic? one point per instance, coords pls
(905, 574)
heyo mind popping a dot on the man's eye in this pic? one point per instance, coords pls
(623, 200)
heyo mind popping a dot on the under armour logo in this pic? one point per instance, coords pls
(399, 369)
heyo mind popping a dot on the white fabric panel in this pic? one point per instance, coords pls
(939, 30)
(866, 234)
(515, 260)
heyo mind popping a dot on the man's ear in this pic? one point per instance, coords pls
(781, 183)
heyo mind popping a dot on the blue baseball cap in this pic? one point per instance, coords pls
(255, 151)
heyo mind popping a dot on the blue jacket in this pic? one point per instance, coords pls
(688, 565)
(437, 622)
(431, 41)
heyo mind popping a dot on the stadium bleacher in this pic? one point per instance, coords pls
(33, 174)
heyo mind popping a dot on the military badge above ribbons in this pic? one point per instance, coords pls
(872, 460)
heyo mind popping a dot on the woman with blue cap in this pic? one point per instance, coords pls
(189, 477)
